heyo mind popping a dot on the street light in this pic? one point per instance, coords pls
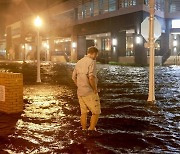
(138, 39)
(114, 42)
(74, 45)
(175, 43)
(114, 47)
(38, 24)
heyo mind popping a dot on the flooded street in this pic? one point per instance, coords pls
(128, 124)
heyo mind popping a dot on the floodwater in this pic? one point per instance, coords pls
(128, 124)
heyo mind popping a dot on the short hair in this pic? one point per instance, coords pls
(92, 50)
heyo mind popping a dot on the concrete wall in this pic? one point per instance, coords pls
(157, 60)
(58, 59)
(127, 60)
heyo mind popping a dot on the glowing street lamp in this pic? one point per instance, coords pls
(74, 45)
(114, 42)
(114, 48)
(38, 24)
(175, 43)
(138, 40)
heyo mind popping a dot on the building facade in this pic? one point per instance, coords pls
(113, 26)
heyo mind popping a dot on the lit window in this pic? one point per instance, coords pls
(175, 23)
(175, 43)
(106, 44)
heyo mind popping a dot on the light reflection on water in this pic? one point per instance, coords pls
(50, 121)
(42, 119)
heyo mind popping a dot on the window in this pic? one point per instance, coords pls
(159, 5)
(96, 7)
(126, 3)
(16, 31)
(106, 44)
(129, 46)
(112, 5)
(87, 9)
(80, 12)
(105, 6)
(146, 2)
(174, 6)
(67, 16)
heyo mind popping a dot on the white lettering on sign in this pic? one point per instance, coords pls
(2, 93)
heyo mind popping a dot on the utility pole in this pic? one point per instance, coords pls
(38, 24)
(38, 58)
(151, 97)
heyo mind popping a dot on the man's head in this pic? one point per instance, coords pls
(92, 52)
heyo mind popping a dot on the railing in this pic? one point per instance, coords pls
(177, 59)
(166, 56)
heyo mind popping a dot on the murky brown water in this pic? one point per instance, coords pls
(128, 124)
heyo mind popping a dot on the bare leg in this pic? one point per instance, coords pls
(84, 121)
(94, 120)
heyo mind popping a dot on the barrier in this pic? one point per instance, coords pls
(11, 92)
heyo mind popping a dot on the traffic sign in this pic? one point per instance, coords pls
(145, 29)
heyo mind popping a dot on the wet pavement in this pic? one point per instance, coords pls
(128, 124)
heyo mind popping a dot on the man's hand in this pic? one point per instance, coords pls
(75, 81)
(95, 91)
(92, 81)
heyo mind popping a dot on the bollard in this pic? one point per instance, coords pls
(11, 92)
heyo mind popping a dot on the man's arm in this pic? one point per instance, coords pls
(92, 76)
(74, 76)
(92, 81)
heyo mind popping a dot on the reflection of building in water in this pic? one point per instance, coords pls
(2, 49)
(74, 25)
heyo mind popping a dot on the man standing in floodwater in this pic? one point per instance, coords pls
(85, 77)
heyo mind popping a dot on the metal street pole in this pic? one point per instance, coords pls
(151, 97)
(38, 58)
(24, 52)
